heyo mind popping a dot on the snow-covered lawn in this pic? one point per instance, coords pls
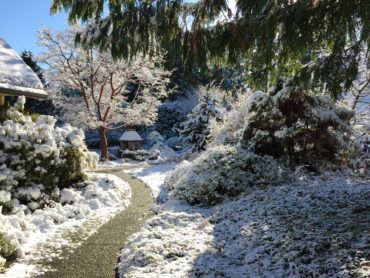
(43, 233)
(315, 227)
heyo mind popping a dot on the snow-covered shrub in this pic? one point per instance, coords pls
(8, 247)
(36, 158)
(139, 155)
(153, 138)
(222, 172)
(361, 141)
(175, 142)
(196, 130)
(296, 125)
(162, 152)
(9, 243)
(230, 130)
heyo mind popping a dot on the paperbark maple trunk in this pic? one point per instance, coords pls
(103, 144)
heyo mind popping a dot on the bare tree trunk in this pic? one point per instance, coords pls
(103, 144)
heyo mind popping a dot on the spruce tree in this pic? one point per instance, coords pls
(196, 130)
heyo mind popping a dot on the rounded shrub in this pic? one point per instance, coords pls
(220, 173)
(36, 157)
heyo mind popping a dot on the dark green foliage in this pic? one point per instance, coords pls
(28, 58)
(170, 115)
(3, 113)
(139, 155)
(71, 171)
(295, 125)
(35, 106)
(318, 42)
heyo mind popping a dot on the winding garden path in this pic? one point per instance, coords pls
(97, 256)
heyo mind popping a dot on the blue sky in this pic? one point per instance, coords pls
(21, 19)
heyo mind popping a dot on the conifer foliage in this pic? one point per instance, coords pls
(196, 129)
(318, 42)
(296, 125)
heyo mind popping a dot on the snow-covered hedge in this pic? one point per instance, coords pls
(222, 172)
(38, 159)
(296, 125)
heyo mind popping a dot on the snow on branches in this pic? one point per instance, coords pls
(95, 91)
(196, 130)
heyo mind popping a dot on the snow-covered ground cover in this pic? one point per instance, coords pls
(42, 233)
(168, 243)
(312, 227)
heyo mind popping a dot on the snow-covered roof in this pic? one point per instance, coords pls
(16, 77)
(130, 135)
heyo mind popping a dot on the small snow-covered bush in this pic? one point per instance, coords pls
(230, 129)
(296, 125)
(139, 155)
(222, 172)
(36, 158)
(8, 247)
(196, 130)
(152, 138)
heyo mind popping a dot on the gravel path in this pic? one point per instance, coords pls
(97, 256)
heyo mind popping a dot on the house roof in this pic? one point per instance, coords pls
(16, 77)
(130, 135)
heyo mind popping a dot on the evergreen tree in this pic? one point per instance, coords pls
(196, 129)
(297, 126)
(318, 42)
(37, 106)
(28, 58)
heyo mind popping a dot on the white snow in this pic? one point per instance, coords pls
(130, 135)
(4, 196)
(120, 163)
(15, 74)
(315, 227)
(165, 153)
(168, 243)
(44, 232)
(153, 176)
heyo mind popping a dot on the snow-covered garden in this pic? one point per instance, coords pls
(230, 212)
(210, 139)
(45, 189)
